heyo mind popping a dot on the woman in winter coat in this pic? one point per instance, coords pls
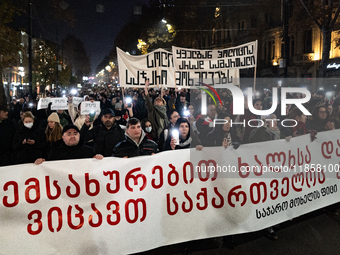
(187, 139)
(53, 132)
(320, 120)
(29, 142)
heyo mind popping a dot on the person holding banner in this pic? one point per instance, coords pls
(136, 142)
(74, 111)
(29, 141)
(72, 147)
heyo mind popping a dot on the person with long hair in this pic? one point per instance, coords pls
(149, 131)
(53, 131)
(187, 139)
(320, 120)
(29, 142)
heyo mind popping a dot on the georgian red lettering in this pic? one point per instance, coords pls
(243, 174)
(168, 206)
(207, 168)
(258, 189)
(135, 179)
(15, 193)
(153, 182)
(278, 155)
(260, 164)
(290, 158)
(321, 173)
(117, 184)
(78, 215)
(99, 215)
(297, 178)
(327, 147)
(311, 173)
(309, 155)
(174, 173)
(203, 194)
(114, 212)
(50, 219)
(37, 221)
(275, 185)
(76, 185)
(285, 179)
(48, 189)
(300, 153)
(191, 168)
(337, 149)
(34, 187)
(213, 201)
(135, 206)
(88, 183)
(237, 196)
(191, 205)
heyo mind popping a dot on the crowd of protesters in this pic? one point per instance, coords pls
(136, 122)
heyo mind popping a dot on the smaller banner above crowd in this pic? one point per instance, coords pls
(59, 103)
(186, 67)
(43, 103)
(213, 66)
(156, 66)
(240, 57)
(77, 100)
(90, 107)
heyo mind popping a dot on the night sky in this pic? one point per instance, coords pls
(97, 30)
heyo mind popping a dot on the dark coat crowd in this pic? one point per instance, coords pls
(143, 122)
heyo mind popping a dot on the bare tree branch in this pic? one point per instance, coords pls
(336, 15)
(310, 15)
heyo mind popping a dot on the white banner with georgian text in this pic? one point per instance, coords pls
(121, 206)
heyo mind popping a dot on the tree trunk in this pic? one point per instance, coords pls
(2, 91)
(326, 46)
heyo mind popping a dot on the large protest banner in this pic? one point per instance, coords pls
(121, 206)
(213, 66)
(157, 66)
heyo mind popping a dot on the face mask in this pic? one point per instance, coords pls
(148, 129)
(28, 125)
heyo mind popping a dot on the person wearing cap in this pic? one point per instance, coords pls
(53, 132)
(7, 132)
(136, 142)
(71, 147)
(106, 135)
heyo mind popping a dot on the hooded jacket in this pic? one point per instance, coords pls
(131, 148)
(156, 115)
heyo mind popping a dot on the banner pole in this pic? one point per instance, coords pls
(255, 68)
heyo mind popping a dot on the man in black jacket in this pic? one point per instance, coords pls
(105, 136)
(136, 143)
(71, 147)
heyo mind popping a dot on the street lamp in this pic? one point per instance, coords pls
(108, 69)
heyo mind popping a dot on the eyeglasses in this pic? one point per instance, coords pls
(322, 112)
